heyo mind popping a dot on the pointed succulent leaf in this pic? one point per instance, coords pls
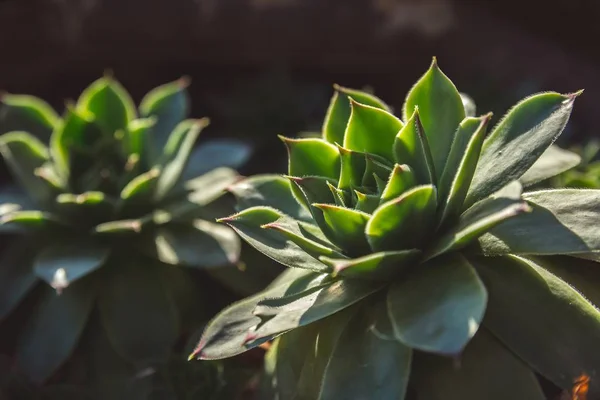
(310, 190)
(441, 110)
(377, 171)
(339, 196)
(137, 312)
(231, 153)
(552, 162)
(141, 188)
(96, 206)
(371, 130)
(345, 227)
(289, 312)
(364, 365)
(24, 154)
(485, 370)
(53, 332)
(411, 147)
(226, 334)
(554, 226)
(469, 105)
(60, 265)
(312, 157)
(367, 203)
(353, 165)
(520, 138)
(16, 274)
(137, 133)
(376, 266)
(439, 307)
(110, 103)
(33, 220)
(169, 103)
(249, 225)
(176, 154)
(339, 111)
(27, 113)
(536, 302)
(460, 166)
(120, 227)
(403, 222)
(401, 179)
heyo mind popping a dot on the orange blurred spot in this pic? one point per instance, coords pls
(581, 386)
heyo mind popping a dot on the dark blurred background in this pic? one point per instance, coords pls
(264, 67)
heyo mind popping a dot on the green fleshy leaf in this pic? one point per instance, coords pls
(196, 244)
(269, 190)
(24, 154)
(33, 220)
(562, 221)
(552, 162)
(61, 264)
(345, 227)
(375, 266)
(485, 370)
(371, 130)
(225, 335)
(27, 113)
(136, 310)
(169, 103)
(216, 153)
(339, 196)
(439, 307)
(140, 189)
(353, 166)
(16, 274)
(54, 330)
(120, 227)
(137, 134)
(367, 203)
(176, 154)
(312, 157)
(364, 365)
(281, 314)
(377, 172)
(249, 225)
(552, 327)
(403, 223)
(110, 103)
(13, 199)
(469, 105)
(411, 147)
(401, 179)
(460, 166)
(310, 190)
(518, 141)
(339, 111)
(94, 206)
(441, 110)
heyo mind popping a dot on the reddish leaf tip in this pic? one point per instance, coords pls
(184, 82)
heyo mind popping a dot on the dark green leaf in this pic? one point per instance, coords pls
(438, 308)
(519, 140)
(28, 114)
(366, 202)
(16, 274)
(552, 162)
(377, 172)
(376, 266)
(140, 189)
(411, 147)
(401, 179)
(345, 227)
(312, 157)
(137, 134)
(441, 110)
(94, 206)
(353, 165)
(217, 153)
(33, 220)
(120, 227)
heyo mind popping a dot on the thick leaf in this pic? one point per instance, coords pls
(226, 334)
(353, 165)
(485, 370)
(196, 244)
(28, 114)
(54, 330)
(136, 310)
(552, 162)
(438, 308)
(310, 190)
(13, 199)
(24, 154)
(137, 134)
(120, 227)
(519, 140)
(441, 110)
(371, 130)
(345, 227)
(364, 365)
(169, 103)
(289, 312)
(366, 202)
(249, 225)
(312, 157)
(469, 105)
(541, 319)
(411, 147)
(216, 153)
(460, 167)
(376, 266)
(377, 171)
(33, 220)
(140, 189)
(61, 264)
(269, 190)
(93, 206)
(110, 103)
(16, 274)
(340, 196)
(403, 223)
(562, 221)
(339, 111)
(176, 153)
(401, 179)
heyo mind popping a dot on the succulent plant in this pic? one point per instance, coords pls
(587, 173)
(114, 215)
(418, 267)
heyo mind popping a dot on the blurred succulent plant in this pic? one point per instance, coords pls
(110, 216)
(587, 173)
(419, 269)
